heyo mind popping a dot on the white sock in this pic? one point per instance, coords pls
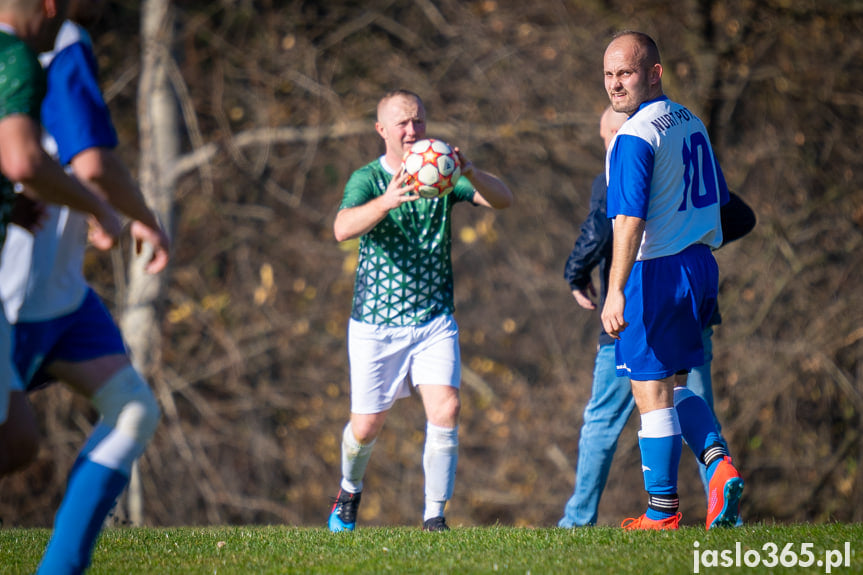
(355, 457)
(439, 462)
(129, 417)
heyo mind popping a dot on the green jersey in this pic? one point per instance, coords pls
(22, 87)
(404, 272)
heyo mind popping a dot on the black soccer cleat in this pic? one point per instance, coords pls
(343, 516)
(435, 524)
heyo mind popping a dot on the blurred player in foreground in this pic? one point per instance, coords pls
(27, 27)
(401, 327)
(62, 331)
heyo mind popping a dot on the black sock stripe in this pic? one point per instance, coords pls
(665, 503)
(714, 452)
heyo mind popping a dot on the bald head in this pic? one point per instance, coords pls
(19, 5)
(609, 124)
(645, 52)
(633, 72)
(36, 22)
(395, 98)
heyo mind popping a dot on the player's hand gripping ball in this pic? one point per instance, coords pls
(432, 167)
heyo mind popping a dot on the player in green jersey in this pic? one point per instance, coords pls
(401, 328)
(26, 28)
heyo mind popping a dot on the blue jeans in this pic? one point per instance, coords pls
(606, 414)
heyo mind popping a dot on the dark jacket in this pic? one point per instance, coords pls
(594, 244)
(592, 249)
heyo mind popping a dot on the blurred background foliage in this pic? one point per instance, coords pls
(278, 100)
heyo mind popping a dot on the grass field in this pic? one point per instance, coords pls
(828, 548)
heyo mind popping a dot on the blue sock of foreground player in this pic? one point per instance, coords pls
(92, 491)
(130, 415)
(660, 443)
(699, 428)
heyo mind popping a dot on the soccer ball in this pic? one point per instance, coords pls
(432, 167)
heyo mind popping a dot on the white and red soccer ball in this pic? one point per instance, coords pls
(433, 168)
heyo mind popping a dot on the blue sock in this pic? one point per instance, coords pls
(92, 491)
(712, 467)
(660, 443)
(696, 422)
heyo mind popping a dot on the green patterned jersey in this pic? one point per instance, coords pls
(22, 87)
(404, 272)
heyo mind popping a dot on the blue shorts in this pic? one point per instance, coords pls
(86, 333)
(669, 301)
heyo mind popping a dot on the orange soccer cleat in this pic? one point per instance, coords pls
(723, 500)
(644, 523)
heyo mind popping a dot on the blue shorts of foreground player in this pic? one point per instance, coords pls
(87, 333)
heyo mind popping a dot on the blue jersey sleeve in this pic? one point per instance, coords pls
(630, 173)
(74, 111)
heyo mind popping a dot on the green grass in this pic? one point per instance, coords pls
(223, 550)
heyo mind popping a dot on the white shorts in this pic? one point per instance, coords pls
(9, 379)
(382, 358)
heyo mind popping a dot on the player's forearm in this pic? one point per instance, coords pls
(628, 232)
(105, 171)
(492, 191)
(23, 160)
(354, 222)
(52, 184)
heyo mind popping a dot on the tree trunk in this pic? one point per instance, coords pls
(159, 144)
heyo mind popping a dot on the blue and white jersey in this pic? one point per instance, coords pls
(41, 275)
(74, 112)
(660, 167)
